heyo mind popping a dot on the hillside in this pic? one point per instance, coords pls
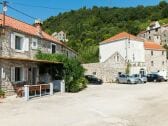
(87, 27)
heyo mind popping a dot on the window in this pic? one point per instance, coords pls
(163, 63)
(18, 43)
(156, 29)
(118, 58)
(151, 53)
(53, 48)
(18, 74)
(34, 43)
(152, 63)
(162, 52)
(67, 53)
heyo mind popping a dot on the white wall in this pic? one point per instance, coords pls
(125, 48)
(136, 51)
(108, 49)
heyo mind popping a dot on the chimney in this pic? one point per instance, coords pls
(38, 25)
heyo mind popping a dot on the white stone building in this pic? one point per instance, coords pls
(122, 49)
(130, 47)
(60, 36)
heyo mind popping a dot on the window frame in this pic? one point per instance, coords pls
(152, 52)
(34, 40)
(52, 44)
(21, 42)
(21, 72)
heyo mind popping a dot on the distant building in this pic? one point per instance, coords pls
(60, 36)
(155, 32)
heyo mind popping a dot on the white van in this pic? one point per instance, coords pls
(164, 74)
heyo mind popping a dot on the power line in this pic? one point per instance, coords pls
(21, 12)
(36, 6)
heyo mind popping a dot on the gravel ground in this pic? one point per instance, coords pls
(98, 105)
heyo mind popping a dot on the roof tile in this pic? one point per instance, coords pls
(122, 35)
(29, 29)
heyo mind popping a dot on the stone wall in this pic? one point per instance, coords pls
(159, 60)
(43, 45)
(6, 83)
(107, 71)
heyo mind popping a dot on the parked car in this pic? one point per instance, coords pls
(155, 78)
(93, 79)
(164, 74)
(126, 79)
(141, 78)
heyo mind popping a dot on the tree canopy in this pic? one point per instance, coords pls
(87, 27)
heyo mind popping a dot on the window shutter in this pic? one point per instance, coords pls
(12, 41)
(12, 74)
(26, 44)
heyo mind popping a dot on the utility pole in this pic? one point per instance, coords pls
(4, 9)
(4, 3)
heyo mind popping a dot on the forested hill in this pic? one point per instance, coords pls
(85, 27)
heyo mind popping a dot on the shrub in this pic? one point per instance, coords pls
(78, 85)
(2, 93)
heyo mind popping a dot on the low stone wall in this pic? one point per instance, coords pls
(103, 71)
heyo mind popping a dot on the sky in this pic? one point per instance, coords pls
(30, 6)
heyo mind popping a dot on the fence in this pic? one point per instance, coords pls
(38, 90)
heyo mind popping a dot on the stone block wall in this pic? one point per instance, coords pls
(6, 83)
(107, 71)
(159, 60)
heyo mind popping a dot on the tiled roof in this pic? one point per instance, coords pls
(152, 45)
(122, 35)
(29, 29)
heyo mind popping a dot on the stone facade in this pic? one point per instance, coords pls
(108, 70)
(155, 60)
(6, 51)
(156, 33)
(5, 69)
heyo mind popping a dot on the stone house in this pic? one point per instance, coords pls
(60, 36)
(19, 43)
(156, 32)
(122, 49)
(155, 57)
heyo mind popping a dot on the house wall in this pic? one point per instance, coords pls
(108, 70)
(6, 82)
(125, 47)
(43, 45)
(157, 34)
(157, 59)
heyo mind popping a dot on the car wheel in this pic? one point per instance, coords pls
(139, 82)
(117, 81)
(128, 82)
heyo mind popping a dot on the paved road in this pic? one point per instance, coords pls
(105, 105)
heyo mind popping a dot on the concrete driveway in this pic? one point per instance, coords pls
(101, 105)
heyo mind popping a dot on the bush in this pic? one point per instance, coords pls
(78, 85)
(2, 93)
